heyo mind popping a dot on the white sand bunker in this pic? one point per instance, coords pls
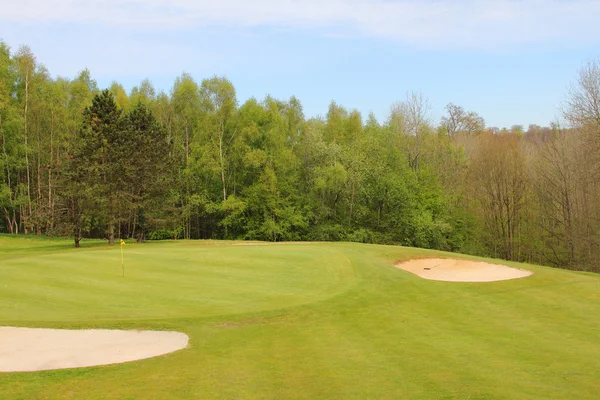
(443, 269)
(32, 349)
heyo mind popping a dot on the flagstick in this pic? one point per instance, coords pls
(122, 260)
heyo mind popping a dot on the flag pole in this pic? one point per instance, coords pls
(122, 259)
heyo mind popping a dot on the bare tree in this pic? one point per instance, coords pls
(567, 188)
(460, 121)
(583, 99)
(25, 62)
(411, 120)
(500, 186)
(582, 111)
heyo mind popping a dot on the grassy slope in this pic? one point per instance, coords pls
(301, 321)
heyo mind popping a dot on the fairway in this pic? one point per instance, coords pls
(302, 321)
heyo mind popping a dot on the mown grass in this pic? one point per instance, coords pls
(302, 321)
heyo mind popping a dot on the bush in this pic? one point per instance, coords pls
(361, 235)
(327, 233)
(165, 234)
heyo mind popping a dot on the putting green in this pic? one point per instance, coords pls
(303, 321)
(180, 279)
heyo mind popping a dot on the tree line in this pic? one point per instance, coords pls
(194, 163)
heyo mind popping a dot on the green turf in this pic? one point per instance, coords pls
(302, 321)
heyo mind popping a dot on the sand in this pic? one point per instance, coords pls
(33, 349)
(452, 270)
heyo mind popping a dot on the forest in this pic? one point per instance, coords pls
(82, 161)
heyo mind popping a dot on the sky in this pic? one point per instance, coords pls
(510, 61)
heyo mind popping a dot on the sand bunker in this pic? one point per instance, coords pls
(29, 349)
(442, 269)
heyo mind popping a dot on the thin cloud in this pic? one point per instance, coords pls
(449, 24)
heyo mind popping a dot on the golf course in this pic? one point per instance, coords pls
(301, 321)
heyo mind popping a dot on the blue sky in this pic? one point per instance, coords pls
(510, 61)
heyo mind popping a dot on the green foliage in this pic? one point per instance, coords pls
(327, 233)
(165, 234)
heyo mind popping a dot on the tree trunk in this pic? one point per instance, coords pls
(8, 221)
(187, 145)
(50, 223)
(7, 213)
(14, 222)
(25, 220)
(134, 223)
(76, 227)
(222, 162)
(38, 227)
(111, 233)
(351, 203)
